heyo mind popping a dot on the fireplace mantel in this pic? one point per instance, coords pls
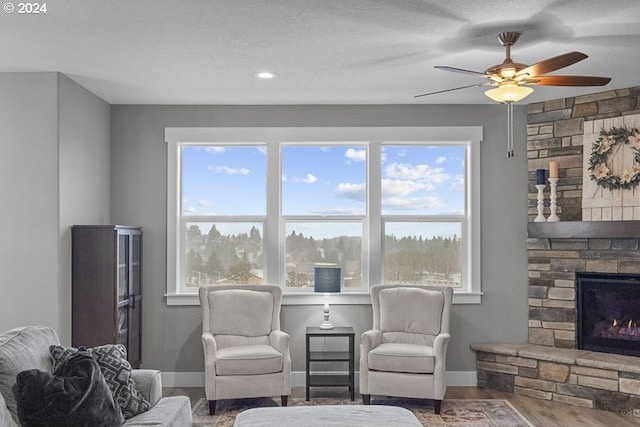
(584, 230)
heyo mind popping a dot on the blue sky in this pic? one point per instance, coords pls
(323, 180)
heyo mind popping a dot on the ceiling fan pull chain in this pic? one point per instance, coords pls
(510, 151)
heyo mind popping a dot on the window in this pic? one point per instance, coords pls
(323, 210)
(263, 205)
(222, 214)
(424, 213)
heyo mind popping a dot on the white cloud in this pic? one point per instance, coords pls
(440, 160)
(457, 184)
(348, 190)
(205, 203)
(309, 179)
(215, 150)
(262, 149)
(284, 178)
(336, 211)
(416, 172)
(356, 155)
(228, 170)
(408, 203)
(189, 210)
(403, 187)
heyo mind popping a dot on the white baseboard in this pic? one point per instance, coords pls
(298, 379)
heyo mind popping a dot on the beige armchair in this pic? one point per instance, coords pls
(405, 353)
(245, 352)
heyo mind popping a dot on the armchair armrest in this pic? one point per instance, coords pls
(210, 349)
(440, 345)
(280, 341)
(369, 340)
(149, 383)
(209, 344)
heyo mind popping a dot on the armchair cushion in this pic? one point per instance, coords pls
(420, 314)
(251, 318)
(112, 359)
(248, 360)
(393, 357)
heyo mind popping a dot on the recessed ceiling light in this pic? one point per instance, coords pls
(265, 75)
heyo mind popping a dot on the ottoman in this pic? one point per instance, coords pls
(328, 415)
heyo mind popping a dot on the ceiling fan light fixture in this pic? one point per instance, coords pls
(509, 93)
(508, 72)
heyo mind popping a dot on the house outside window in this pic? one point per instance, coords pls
(264, 205)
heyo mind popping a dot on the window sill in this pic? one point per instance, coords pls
(307, 298)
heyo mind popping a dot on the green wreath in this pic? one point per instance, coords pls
(603, 147)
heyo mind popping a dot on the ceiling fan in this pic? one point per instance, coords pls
(512, 79)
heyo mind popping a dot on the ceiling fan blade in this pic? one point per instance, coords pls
(462, 71)
(449, 90)
(552, 64)
(568, 81)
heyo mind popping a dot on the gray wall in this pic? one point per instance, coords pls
(54, 171)
(171, 335)
(85, 172)
(29, 191)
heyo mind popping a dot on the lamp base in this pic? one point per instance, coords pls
(326, 325)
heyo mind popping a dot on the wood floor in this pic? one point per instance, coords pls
(540, 413)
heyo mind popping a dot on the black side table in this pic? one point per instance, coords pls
(331, 380)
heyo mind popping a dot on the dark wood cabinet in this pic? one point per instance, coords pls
(107, 287)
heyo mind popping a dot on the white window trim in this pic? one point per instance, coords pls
(275, 135)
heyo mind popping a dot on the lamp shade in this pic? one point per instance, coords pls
(509, 93)
(327, 278)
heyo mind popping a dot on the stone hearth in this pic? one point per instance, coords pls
(604, 381)
(549, 366)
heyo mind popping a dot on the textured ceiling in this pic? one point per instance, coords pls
(323, 51)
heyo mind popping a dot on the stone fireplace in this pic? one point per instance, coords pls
(556, 253)
(608, 312)
(596, 240)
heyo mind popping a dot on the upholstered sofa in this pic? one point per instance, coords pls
(28, 348)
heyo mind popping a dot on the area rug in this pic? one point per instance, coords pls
(455, 412)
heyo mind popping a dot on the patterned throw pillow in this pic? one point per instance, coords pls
(112, 359)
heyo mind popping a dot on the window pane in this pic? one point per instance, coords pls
(423, 180)
(423, 252)
(223, 180)
(335, 242)
(323, 180)
(223, 253)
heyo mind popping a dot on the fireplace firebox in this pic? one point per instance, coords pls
(608, 312)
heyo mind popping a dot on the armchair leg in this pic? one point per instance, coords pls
(284, 400)
(212, 407)
(366, 399)
(437, 405)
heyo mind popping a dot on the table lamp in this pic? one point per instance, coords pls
(327, 278)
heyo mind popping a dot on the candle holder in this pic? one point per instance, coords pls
(553, 207)
(540, 217)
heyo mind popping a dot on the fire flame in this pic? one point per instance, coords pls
(615, 322)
